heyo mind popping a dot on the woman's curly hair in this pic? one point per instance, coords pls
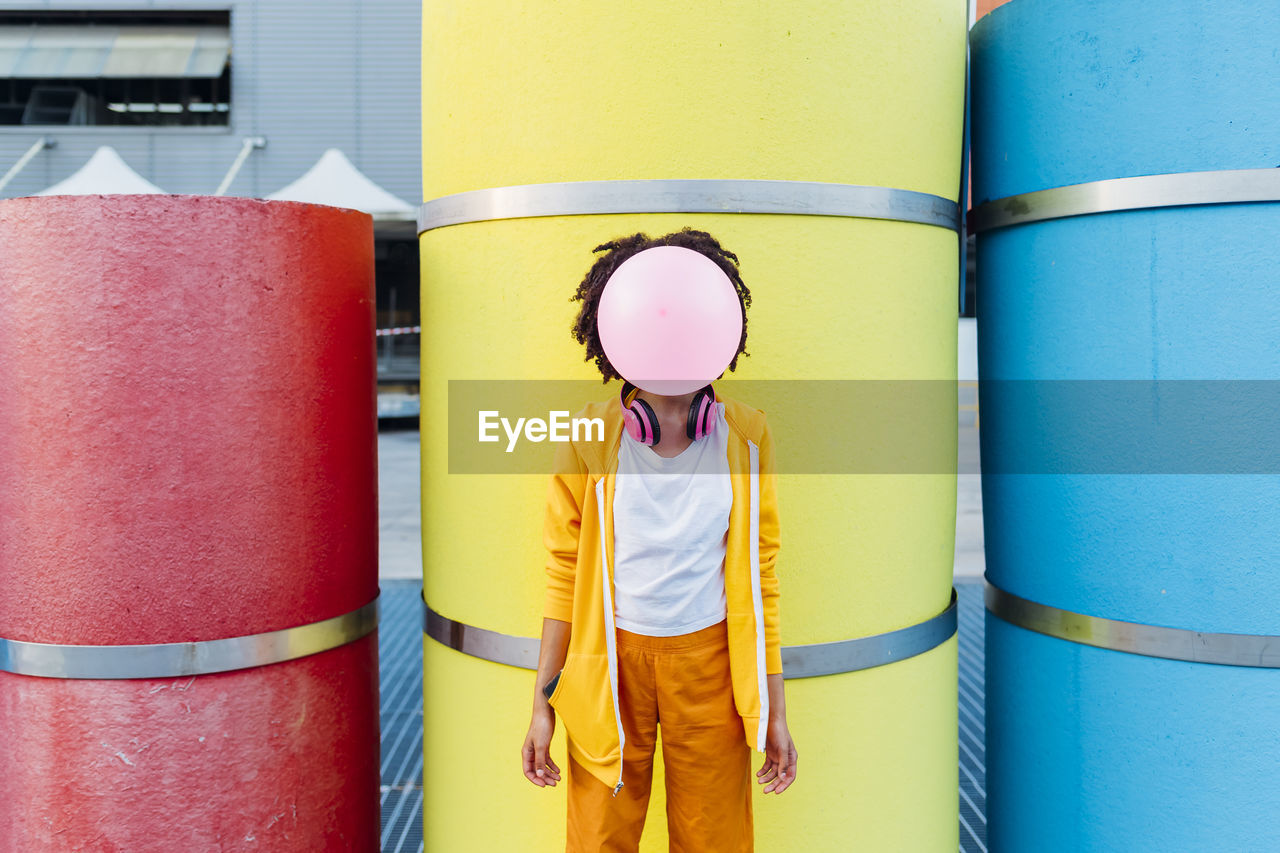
(584, 328)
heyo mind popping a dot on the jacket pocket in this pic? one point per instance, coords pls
(743, 668)
(583, 700)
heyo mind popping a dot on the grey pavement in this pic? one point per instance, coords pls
(400, 522)
(399, 505)
(970, 559)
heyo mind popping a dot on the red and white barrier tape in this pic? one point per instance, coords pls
(399, 330)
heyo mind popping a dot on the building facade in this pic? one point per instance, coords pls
(306, 76)
(177, 87)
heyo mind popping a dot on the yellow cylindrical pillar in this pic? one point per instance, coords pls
(831, 91)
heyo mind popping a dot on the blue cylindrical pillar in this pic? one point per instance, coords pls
(1091, 748)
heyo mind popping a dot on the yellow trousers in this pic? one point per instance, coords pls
(681, 683)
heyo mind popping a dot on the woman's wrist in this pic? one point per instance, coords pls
(777, 699)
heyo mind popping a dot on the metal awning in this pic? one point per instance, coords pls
(50, 51)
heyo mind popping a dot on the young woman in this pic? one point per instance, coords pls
(662, 604)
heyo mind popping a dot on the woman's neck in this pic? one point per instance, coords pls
(662, 404)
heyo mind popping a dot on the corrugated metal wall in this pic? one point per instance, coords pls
(306, 75)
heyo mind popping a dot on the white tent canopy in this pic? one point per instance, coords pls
(104, 173)
(333, 180)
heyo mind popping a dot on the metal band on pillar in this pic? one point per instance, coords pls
(797, 661)
(578, 198)
(868, 652)
(1224, 186)
(171, 660)
(1257, 650)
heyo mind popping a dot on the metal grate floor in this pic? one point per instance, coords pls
(400, 674)
(400, 663)
(973, 717)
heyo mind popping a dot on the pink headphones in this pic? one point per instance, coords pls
(642, 423)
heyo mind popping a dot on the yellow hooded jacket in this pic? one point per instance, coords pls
(579, 538)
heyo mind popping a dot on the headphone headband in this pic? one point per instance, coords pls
(641, 421)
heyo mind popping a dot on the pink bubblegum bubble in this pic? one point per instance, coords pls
(669, 320)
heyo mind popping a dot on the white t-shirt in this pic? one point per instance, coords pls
(670, 528)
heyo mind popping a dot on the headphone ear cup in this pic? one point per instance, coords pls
(701, 415)
(643, 413)
(632, 424)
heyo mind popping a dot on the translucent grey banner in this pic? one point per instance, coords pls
(904, 426)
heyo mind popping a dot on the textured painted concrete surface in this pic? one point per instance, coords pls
(187, 452)
(280, 758)
(1093, 749)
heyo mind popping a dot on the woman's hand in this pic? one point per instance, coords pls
(536, 753)
(779, 769)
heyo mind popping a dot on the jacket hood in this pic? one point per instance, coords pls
(746, 420)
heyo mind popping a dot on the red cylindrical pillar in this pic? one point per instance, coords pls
(187, 453)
